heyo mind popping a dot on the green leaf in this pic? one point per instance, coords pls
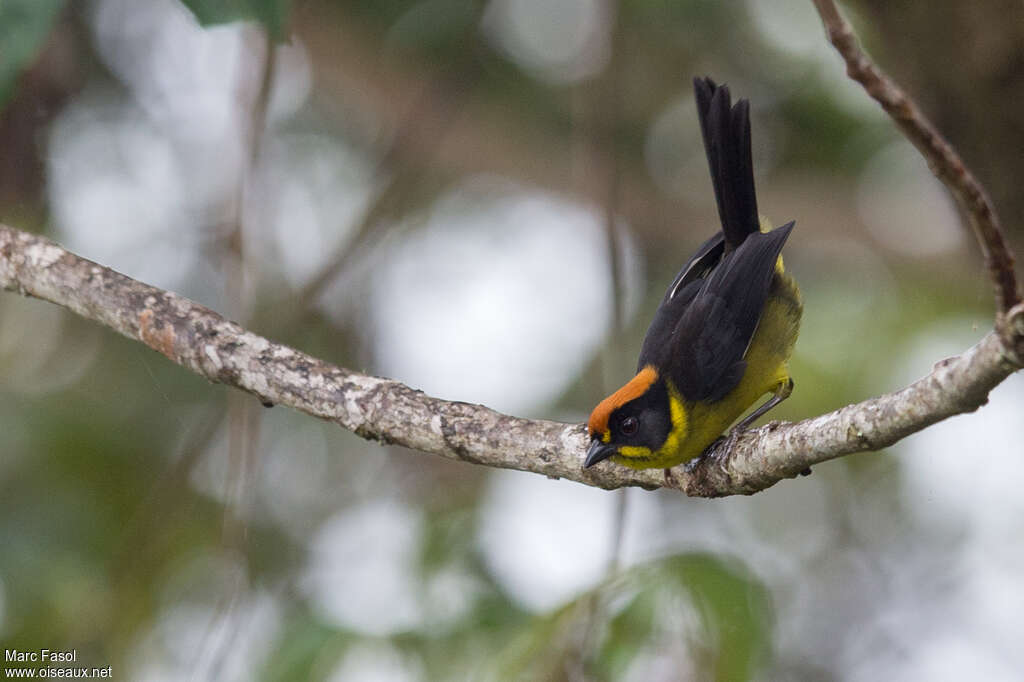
(735, 608)
(272, 14)
(305, 644)
(24, 26)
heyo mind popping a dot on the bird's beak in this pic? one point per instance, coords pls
(598, 451)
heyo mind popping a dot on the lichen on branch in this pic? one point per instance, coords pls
(388, 411)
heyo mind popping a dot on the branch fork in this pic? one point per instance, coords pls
(206, 343)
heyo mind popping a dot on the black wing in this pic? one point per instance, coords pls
(707, 347)
(726, 131)
(656, 347)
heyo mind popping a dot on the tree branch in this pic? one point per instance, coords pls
(942, 159)
(203, 342)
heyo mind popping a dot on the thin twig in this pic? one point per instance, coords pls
(942, 159)
(396, 175)
(243, 422)
(603, 142)
(379, 409)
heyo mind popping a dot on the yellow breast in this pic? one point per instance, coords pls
(697, 425)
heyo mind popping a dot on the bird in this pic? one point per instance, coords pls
(725, 330)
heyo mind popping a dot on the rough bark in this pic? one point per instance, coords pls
(203, 342)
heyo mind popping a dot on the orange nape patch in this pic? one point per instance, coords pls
(634, 388)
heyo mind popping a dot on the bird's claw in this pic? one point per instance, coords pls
(723, 444)
(718, 449)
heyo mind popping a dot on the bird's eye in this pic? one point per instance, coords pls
(629, 426)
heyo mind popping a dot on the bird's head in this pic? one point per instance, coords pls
(631, 424)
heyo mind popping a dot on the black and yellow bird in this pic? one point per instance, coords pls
(725, 330)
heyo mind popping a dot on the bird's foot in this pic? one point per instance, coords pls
(718, 449)
(723, 445)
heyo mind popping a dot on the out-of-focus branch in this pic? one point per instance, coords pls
(203, 342)
(402, 171)
(943, 160)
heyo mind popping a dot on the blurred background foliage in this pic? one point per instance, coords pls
(486, 200)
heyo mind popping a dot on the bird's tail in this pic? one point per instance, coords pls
(726, 130)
